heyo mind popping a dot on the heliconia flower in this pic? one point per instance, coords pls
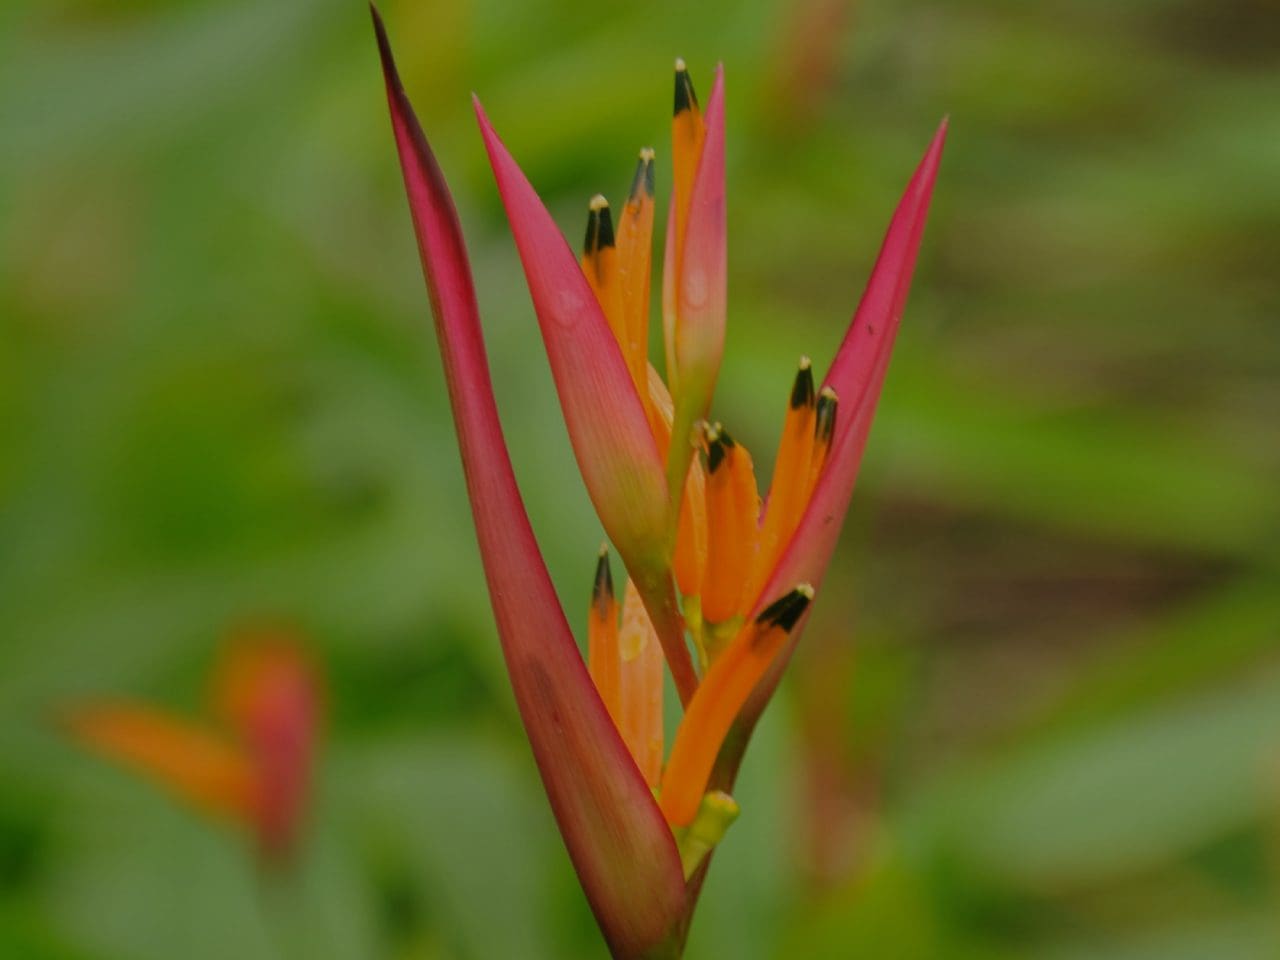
(718, 581)
(249, 763)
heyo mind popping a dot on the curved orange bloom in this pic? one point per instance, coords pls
(250, 764)
(719, 581)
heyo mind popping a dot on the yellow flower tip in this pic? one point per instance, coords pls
(716, 814)
(718, 444)
(599, 229)
(642, 184)
(685, 98)
(719, 807)
(802, 392)
(825, 423)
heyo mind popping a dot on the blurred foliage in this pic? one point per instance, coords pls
(1038, 713)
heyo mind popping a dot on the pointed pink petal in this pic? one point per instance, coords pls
(700, 319)
(669, 298)
(608, 428)
(611, 439)
(699, 334)
(856, 374)
(620, 846)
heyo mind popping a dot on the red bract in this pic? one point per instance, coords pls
(719, 583)
(620, 845)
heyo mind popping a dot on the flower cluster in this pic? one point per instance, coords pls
(719, 580)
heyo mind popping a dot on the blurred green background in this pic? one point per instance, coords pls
(1037, 713)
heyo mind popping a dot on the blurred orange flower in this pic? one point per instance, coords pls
(250, 762)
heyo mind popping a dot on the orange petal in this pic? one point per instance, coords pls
(601, 268)
(733, 506)
(790, 477)
(635, 260)
(193, 762)
(640, 679)
(602, 637)
(687, 134)
(719, 698)
(690, 560)
(824, 428)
